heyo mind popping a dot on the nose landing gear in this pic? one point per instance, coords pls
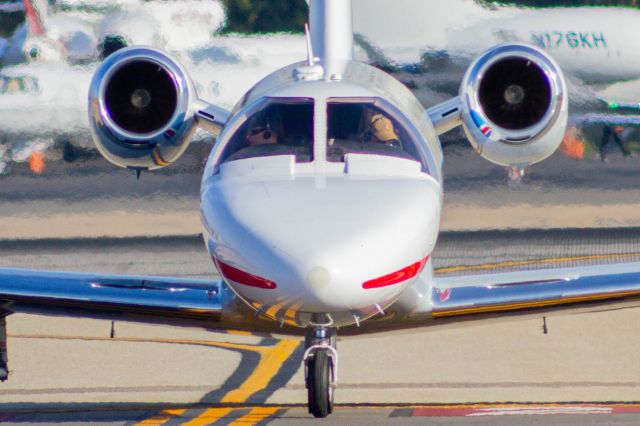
(321, 369)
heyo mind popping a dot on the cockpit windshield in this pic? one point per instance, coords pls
(281, 127)
(364, 128)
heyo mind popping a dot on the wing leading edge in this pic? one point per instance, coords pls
(42, 291)
(517, 291)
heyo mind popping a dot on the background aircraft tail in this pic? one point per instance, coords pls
(36, 12)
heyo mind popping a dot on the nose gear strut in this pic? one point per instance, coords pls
(321, 369)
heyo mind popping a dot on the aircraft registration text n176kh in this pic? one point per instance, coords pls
(321, 198)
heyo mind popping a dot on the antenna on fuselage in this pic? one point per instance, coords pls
(310, 57)
(310, 71)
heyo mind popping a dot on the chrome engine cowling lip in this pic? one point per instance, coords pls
(113, 64)
(470, 90)
(168, 140)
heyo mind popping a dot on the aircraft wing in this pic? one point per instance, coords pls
(623, 95)
(76, 294)
(517, 291)
(603, 118)
(210, 303)
(616, 105)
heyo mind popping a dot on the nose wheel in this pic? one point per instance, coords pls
(321, 367)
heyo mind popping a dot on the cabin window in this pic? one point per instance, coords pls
(281, 127)
(364, 128)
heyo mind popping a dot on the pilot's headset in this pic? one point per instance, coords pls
(260, 130)
(261, 126)
(267, 132)
(265, 125)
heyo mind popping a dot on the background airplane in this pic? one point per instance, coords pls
(595, 45)
(80, 32)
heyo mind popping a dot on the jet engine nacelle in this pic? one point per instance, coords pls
(141, 108)
(514, 105)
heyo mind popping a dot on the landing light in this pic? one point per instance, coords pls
(241, 277)
(396, 277)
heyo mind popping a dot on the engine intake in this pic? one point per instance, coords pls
(514, 104)
(141, 97)
(515, 93)
(141, 108)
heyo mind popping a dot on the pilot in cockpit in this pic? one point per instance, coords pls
(364, 128)
(267, 133)
(261, 132)
(381, 129)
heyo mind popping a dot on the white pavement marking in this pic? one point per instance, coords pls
(540, 410)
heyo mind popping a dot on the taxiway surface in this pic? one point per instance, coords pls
(90, 198)
(72, 370)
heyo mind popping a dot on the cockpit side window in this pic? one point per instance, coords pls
(364, 128)
(281, 127)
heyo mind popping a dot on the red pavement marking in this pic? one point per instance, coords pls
(442, 411)
(621, 409)
(523, 409)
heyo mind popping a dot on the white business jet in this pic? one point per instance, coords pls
(321, 198)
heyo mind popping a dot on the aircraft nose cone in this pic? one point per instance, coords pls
(321, 243)
(319, 277)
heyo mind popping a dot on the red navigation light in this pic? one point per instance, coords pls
(398, 276)
(241, 277)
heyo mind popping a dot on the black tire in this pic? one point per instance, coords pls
(319, 389)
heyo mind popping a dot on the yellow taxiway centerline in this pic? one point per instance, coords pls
(256, 415)
(163, 417)
(270, 362)
(267, 368)
(209, 417)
